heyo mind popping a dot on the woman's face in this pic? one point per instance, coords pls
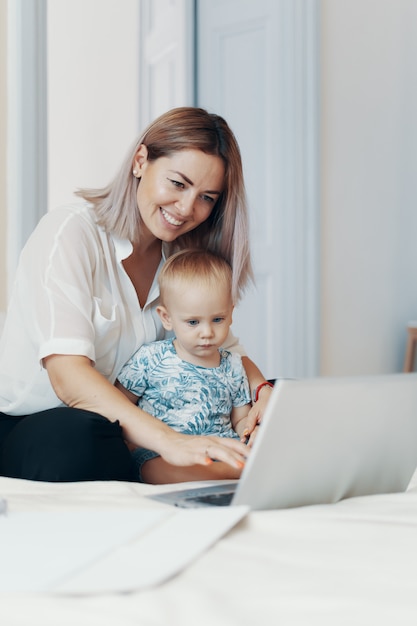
(177, 193)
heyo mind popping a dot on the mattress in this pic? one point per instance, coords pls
(353, 562)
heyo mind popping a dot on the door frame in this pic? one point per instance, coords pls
(26, 125)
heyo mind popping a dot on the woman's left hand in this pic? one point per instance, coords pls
(255, 415)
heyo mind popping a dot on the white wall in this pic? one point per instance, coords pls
(3, 176)
(93, 92)
(369, 183)
(368, 156)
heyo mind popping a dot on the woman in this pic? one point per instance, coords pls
(85, 299)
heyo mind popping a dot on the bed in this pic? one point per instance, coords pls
(353, 562)
(349, 563)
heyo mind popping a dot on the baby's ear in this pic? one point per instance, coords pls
(165, 317)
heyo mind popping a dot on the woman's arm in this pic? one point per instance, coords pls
(255, 378)
(79, 385)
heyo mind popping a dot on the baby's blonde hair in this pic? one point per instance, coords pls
(195, 265)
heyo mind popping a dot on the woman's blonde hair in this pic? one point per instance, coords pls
(190, 265)
(226, 231)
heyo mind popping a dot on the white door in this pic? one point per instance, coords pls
(256, 66)
(167, 57)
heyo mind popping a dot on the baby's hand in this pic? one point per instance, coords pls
(250, 426)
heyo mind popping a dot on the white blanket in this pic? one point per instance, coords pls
(351, 563)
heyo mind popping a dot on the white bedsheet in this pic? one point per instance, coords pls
(351, 563)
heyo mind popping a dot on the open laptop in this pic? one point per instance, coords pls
(322, 440)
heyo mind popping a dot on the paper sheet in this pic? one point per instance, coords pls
(92, 551)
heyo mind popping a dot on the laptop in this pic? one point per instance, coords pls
(322, 440)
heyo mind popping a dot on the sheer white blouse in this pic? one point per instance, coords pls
(72, 296)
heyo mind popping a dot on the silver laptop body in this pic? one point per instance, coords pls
(322, 440)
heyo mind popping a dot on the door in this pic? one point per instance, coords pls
(255, 63)
(167, 57)
(256, 66)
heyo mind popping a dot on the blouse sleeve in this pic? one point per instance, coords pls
(59, 262)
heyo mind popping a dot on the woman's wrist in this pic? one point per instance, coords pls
(164, 437)
(264, 386)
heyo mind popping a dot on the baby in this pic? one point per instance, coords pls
(189, 381)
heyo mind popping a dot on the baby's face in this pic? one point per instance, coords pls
(200, 317)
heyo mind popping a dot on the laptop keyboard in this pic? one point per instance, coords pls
(216, 499)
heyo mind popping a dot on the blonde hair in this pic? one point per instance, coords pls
(226, 231)
(192, 265)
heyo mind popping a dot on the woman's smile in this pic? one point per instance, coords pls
(177, 193)
(171, 219)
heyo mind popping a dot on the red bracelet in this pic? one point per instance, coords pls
(256, 391)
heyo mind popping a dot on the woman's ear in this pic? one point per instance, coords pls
(165, 317)
(141, 158)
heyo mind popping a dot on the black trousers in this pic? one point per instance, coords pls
(63, 444)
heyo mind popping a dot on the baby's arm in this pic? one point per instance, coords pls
(244, 418)
(129, 395)
(243, 422)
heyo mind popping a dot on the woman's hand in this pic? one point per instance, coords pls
(185, 450)
(192, 458)
(256, 378)
(255, 414)
(79, 385)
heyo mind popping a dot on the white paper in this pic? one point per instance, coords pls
(37, 550)
(81, 552)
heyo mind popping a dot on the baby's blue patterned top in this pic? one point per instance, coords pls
(189, 398)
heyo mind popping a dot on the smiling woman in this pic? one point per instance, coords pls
(86, 298)
(182, 201)
(185, 138)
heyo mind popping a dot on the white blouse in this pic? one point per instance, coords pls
(72, 296)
